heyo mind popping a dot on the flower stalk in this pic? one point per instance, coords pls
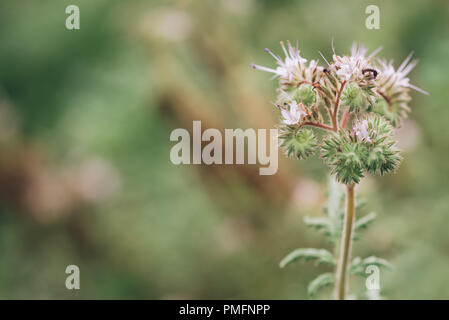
(341, 283)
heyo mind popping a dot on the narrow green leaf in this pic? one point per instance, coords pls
(323, 280)
(321, 256)
(318, 223)
(377, 262)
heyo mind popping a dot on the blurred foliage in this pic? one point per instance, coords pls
(85, 176)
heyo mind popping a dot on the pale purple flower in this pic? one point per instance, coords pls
(293, 114)
(361, 131)
(289, 67)
(398, 78)
(350, 68)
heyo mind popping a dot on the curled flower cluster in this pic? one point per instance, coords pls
(357, 100)
(368, 147)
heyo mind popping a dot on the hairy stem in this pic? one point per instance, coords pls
(318, 125)
(345, 117)
(346, 243)
(336, 105)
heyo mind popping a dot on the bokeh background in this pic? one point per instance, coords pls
(85, 175)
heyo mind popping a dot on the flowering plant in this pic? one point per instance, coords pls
(356, 101)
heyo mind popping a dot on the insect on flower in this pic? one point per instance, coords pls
(370, 73)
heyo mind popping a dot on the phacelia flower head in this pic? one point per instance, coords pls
(353, 67)
(289, 68)
(394, 86)
(355, 102)
(398, 78)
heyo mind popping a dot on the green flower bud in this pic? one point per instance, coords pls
(303, 94)
(299, 143)
(393, 113)
(383, 156)
(354, 97)
(345, 156)
(306, 95)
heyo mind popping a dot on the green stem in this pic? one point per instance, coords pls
(346, 244)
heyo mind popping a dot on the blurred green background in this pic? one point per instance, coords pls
(85, 176)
